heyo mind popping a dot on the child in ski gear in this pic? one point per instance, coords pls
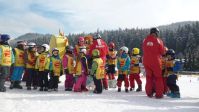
(153, 49)
(111, 64)
(55, 69)
(42, 67)
(123, 67)
(135, 70)
(172, 77)
(6, 60)
(97, 71)
(18, 65)
(80, 45)
(68, 66)
(100, 44)
(81, 72)
(30, 61)
(111, 61)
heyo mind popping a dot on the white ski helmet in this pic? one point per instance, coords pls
(46, 46)
(55, 49)
(31, 44)
(83, 50)
(125, 49)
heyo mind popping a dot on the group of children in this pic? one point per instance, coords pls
(77, 65)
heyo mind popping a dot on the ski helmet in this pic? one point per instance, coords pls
(155, 30)
(95, 53)
(83, 50)
(136, 51)
(4, 37)
(21, 43)
(81, 39)
(70, 48)
(171, 52)
(31, 44)
(111, 45)
(124, 49)
(97, 36)
(55, 49)
(46, 46)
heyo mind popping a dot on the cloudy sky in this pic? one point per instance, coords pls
(74, 16)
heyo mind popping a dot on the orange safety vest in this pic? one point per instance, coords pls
(31, 60)
(70, 64)
(6, 55)
(78, 68)
(113, 55)
(42, 62)
(100, 68)
(122, 62)
(56, 66)
(169, 64)
(134, 69)
(19, 57)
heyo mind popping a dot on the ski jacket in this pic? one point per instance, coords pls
(101, 46)
(153, 49)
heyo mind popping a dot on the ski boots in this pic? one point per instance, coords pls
(139, 88)
(119, 90)
(45, 89)
(126, 90)
(41, 89)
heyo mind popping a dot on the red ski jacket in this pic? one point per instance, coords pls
(153, 49)
(101, 46)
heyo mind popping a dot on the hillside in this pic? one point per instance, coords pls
(31, 37)
(175, 26)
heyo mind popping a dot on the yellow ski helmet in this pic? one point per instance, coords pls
(136, 51)
(95, 53)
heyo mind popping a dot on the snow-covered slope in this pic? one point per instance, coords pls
(109, 101)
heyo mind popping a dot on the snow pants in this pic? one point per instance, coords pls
(69, 82)
(122, 78)
(53, 82)
(80, 83)
(154, 81)
(98, 85)
(165, 85)
(4, 72)
(32, 79)
(17, 73)
(105, 81)
(43, 79)
(171, 83)
(111, 72)
(134, 77)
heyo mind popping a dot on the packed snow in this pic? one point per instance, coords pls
(109, 101)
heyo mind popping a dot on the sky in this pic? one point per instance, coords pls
(18, 17)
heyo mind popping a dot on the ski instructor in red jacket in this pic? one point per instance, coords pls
(153, 49)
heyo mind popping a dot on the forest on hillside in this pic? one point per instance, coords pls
(183, 39)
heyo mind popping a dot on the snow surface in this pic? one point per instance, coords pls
(110, 101)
